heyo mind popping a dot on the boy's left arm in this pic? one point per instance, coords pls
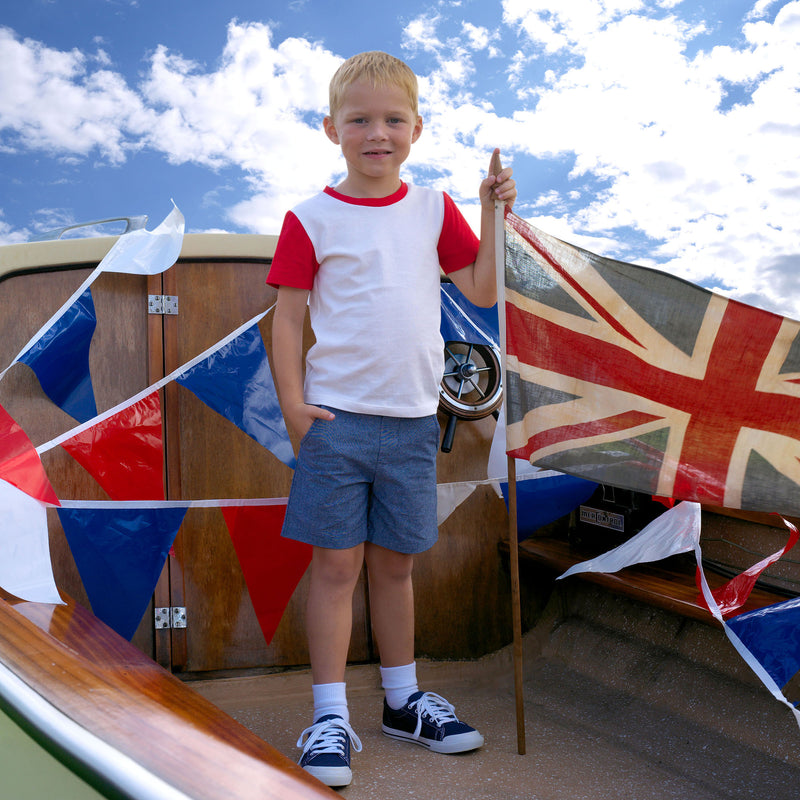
(478, 282)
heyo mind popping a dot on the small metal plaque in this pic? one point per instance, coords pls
(603, 519)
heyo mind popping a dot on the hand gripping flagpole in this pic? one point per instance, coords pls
(513, 549)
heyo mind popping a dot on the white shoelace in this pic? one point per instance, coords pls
(435, 707)
(328, 737)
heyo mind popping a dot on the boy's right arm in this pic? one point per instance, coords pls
(287, 357)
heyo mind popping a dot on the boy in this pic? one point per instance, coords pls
(365, 257)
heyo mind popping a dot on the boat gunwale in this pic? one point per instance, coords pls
(26, 258)
(104, 686)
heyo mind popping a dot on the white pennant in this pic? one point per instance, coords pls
(25, 567)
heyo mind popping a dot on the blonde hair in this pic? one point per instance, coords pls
(379, 69)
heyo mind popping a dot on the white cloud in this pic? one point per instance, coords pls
(760, 9)
(261, 110)
(691, 149)
(10, 236)
(50, 101)
(713, 188)
(557, 26)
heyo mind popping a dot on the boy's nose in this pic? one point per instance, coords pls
(376, 132)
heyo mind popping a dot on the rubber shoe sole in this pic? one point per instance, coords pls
(331, 776)
(455, 743)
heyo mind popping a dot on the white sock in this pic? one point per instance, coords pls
(330, 698)
(399, 683)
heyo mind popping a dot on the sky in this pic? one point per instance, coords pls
(657, 132)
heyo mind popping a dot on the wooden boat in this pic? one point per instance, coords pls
(134, 701)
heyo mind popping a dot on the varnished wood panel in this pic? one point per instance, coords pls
(461, 588)
(462, 594)
(462, 597)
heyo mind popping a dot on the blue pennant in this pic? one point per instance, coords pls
(236, 382)
(60, 359)
(541, 501)
(120, 553)
(464, 322)
(772, 635)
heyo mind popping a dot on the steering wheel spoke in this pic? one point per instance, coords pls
(471, 385)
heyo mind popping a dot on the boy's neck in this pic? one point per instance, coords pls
(362, 187)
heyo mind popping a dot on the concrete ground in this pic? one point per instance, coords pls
(621, 701)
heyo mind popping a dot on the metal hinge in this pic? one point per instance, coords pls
(162, 304)
(174, 617)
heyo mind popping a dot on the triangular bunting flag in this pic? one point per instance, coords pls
(60, 359)
(236, 382)
(25, 567)
(675, 531)
(143, 252)
(20, 464)
(449, 496)
(125, 452)
(464, 322)
(120, 553)
(734, 593)
(272, 566)
(772, 635)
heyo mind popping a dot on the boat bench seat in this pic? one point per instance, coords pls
(669, 584)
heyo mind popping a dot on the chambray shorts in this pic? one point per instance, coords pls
(366, 478)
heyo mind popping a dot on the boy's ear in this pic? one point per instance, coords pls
(330, 129)
(417, 130)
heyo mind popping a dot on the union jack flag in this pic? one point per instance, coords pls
(631, 377)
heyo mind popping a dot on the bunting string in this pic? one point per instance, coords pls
(139, 252)
(159, 384)
(160, 504)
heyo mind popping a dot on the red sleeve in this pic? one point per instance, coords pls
(458, 244)
(295, 262)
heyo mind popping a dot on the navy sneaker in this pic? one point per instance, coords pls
(429, 720)
(326, 752)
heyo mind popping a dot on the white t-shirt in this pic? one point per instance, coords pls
(372, 267)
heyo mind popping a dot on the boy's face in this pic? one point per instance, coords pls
(375, 128)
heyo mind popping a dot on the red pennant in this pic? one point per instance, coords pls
(272, 566)
(125, 452)
(733, 595)
(20, 464)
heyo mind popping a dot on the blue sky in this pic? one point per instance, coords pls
(658, 132)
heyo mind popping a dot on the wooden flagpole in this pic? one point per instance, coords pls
(513, 549)
(516, 610)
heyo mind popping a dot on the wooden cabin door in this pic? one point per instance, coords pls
(209, 457)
